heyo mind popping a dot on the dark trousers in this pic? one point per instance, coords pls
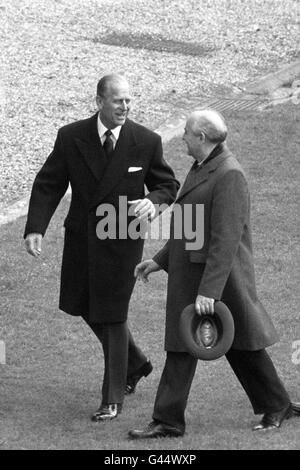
(122, 358)
(254, 370)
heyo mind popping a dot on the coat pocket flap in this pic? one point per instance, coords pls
(197, 257)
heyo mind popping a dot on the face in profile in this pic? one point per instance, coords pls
(192, 141)
(114, 106)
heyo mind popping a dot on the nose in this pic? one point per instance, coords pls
(124, 105)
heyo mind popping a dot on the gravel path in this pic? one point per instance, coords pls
(53, 53)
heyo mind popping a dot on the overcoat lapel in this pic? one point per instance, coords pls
(107, 172)
(117, 164)
(91, 149)
(200, 175)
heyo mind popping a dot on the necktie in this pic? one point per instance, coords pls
(108, 145)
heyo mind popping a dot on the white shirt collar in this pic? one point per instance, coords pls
(102, 129)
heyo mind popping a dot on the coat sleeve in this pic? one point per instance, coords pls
(229, 212)
(162, 257)
(48, 188)
(160, 179)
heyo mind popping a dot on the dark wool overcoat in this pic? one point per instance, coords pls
(222, 268)
(97, 274)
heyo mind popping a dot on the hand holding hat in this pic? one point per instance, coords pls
(204, 305)
(207, 336)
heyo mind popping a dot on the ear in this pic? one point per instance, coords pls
(99, 101)
(202, 137)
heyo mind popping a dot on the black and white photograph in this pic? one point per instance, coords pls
(149, 227)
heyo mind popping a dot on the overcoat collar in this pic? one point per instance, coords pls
(109, 172)
(200, 175)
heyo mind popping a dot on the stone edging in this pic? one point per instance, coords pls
(271, 82)
(174, 127)
(14, 211)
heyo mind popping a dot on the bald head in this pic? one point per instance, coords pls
(210, 122)
(109, 82)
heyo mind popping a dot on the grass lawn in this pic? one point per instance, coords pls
(51, 382)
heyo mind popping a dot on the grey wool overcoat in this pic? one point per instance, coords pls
(97, 275)
(222, 268)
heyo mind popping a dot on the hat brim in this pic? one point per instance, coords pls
(207, 337)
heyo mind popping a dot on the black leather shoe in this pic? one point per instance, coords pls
(106, 413)
(132, 381)
(274, 420)
(155, 430)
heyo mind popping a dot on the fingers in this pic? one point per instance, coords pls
(33, 244)
(204, 305)
(197, 308)
(144, 209)
(143, 269)
(139, 268)
(145, 275)
(38, 241)
(142, 274)
(211, 310)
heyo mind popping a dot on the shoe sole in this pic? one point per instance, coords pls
(97, 420)
(157, 436)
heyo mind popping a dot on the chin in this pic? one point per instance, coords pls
(120, 121)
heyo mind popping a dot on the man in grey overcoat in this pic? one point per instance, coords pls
(104, 158)
(221, 269)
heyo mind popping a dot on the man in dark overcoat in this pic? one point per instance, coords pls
(221, 269)
(104, 158)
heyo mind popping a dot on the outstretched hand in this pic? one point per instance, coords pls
(143, 269)
(144, 209)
